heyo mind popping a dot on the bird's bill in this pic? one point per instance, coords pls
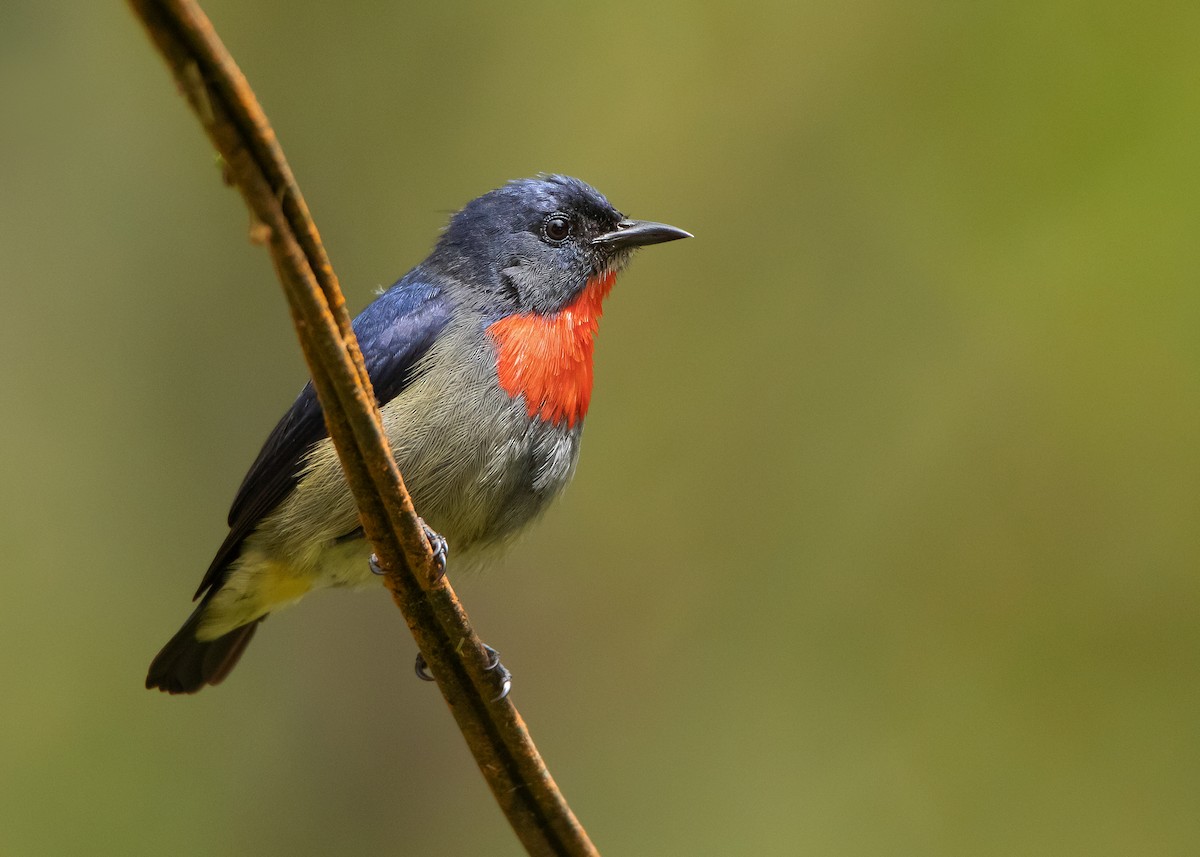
(639, 233)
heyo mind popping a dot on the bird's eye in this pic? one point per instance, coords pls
(557, 228)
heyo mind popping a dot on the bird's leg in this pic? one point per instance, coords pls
(503, 675)
(437, 543)
(440, 548)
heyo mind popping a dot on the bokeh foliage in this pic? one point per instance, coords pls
(885, 536)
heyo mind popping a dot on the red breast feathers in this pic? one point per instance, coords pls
(548, 358)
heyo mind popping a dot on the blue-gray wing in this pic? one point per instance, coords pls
(394, 333)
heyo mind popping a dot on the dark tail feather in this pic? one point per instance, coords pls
(185, 664)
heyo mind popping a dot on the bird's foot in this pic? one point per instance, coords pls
(440, 548)
(422, 669)
(503, 675)
(437, 543)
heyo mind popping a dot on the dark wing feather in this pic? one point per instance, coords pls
(394, 332)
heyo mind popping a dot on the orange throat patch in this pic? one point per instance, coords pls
(548, 358)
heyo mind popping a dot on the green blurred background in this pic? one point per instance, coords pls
(885, 534)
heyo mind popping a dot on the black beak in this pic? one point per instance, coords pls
(639, 233)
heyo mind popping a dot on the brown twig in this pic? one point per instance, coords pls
(227, 108)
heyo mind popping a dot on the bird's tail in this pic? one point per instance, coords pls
(186, 664)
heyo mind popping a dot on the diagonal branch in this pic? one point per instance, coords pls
(227, 108)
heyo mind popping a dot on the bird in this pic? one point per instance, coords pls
(481, 360)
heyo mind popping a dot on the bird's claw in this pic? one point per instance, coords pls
(437, 543)
(440, 548)
(503, 675)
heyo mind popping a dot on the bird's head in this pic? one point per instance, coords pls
(534, 245)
